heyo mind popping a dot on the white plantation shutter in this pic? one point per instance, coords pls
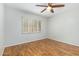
(30, 26)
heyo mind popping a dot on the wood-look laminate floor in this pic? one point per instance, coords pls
(45, 47)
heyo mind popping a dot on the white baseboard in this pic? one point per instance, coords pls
(53, 38)
(23, 42)
(1, 51)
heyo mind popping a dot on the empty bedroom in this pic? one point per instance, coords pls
(39, 29)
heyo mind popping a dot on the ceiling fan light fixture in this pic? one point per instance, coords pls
(49, 8)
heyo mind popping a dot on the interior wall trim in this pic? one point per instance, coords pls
(24, 42)
(53, 38)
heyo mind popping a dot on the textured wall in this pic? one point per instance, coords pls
(13, 27)
(65, 25)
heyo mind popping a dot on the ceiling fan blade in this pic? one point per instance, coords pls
(43, 10)
(55, 6)
(52, 10)
(42, 5)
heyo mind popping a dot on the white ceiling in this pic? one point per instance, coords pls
(34, 9)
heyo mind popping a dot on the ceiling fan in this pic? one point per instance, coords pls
(50, 6)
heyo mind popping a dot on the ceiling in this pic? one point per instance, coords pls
(34, 9)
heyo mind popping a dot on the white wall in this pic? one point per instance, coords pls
(1, 27)
(13, 27)
(64, 26)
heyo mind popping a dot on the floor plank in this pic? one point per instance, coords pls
(45, 47)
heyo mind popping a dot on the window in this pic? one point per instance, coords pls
(30, 25)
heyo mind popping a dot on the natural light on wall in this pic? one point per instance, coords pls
(30, 25)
